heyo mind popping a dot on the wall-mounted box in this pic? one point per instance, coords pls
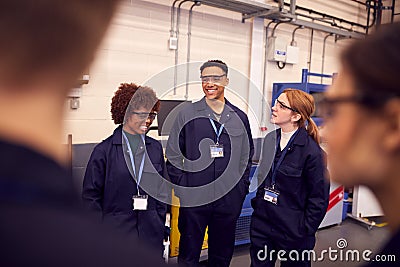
(277, 49)
(292, 54)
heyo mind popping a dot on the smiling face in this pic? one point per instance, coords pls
(138, 121)
(213, 82)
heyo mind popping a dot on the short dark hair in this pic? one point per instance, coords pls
(215, 63)
(374, 63)
(131, 96)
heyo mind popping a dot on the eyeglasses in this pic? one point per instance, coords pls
(145, 115)
(282, 105)
(212, 78)
(327, 104)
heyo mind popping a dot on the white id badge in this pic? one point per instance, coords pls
(271, 195)
(139, 202)
(217, 151)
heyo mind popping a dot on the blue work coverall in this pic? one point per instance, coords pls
(303, 199)
(223, 182)
(108, 188)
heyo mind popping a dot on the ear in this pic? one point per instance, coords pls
(391, 140)
(227, 81)
(295, 117)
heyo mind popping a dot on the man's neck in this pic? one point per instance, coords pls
(34, 120)
(217, 105)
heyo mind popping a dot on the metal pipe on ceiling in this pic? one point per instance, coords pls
(250, 9)
(374, 14)
(359, 2)
(379, 13)
(276, 26)
(310, 53)
(327, 16)
(393, 8)
(172, 30)
(293, 42)
(189, 34)
(281, 4)
(263, 122)
(292, 7)
(178, 17)
(323, 56)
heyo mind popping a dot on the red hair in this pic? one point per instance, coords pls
(304, 104)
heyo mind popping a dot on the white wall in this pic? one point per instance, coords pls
(136, 48)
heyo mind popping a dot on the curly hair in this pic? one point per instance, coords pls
(131, 96)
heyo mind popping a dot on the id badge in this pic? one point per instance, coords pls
(271, 195)
(139, 202)
(217, 151)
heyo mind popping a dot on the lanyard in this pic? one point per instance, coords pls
(278, 164)
(139, 175)
(218, 133)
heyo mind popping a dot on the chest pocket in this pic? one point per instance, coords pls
(289, 171)
(234, 132)
(151, 168)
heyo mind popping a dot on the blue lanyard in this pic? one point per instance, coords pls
(139, 175)
(278, 164)
(218, 133)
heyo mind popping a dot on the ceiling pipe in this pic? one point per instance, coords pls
(293, 42)
(276, 25)
(172, 30)
(263, 109)
(178, 18)
(270, 12)
(374, 14)
(293, 19)
(323, 56)
(359, 2)
(281, 4)
(379, 12)
(310, 53)
(393, 8)
(292, 7)
(189, 37)
(324, 15)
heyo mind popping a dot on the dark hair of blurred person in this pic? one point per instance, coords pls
(44, 46)
(362, 114)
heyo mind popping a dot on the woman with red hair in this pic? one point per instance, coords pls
(293, 195)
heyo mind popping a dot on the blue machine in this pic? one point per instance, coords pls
(242, 235)
(315, 89)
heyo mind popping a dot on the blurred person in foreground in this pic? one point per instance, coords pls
(44, 46)
(124, 184)
(362, 125)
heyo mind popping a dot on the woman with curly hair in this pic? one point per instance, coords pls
(124, 182)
